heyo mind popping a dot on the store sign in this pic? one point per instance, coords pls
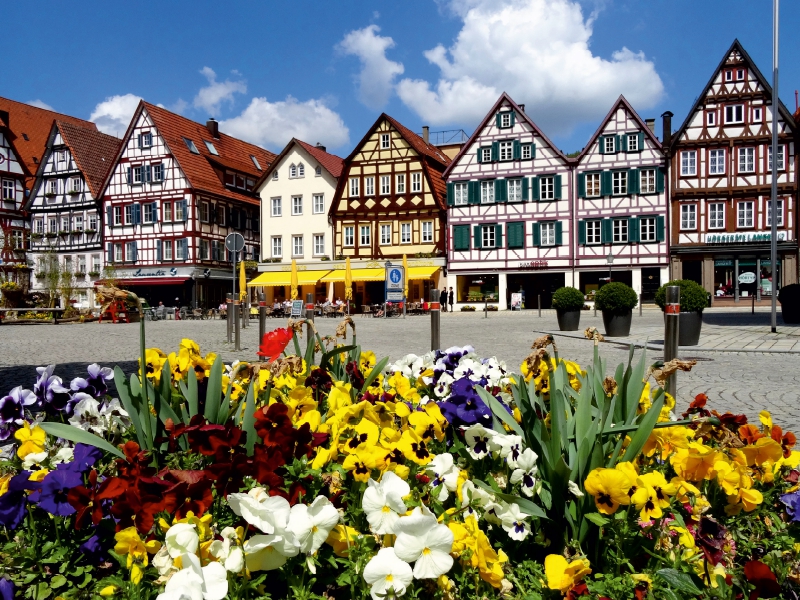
(747, 278)
(151, 272)
(723, 262)
(742, 238)
(533, 265)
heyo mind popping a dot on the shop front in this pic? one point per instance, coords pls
(477, 289)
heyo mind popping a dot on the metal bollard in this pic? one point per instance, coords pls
(236, 323)
(485, 307)
(310, 317)
(435, 314)
(640, 305)
(753, 311)
(262, 317)
(539, 304)
(672, 313)
(229, 311)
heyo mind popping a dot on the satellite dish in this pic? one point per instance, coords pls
(234, 242)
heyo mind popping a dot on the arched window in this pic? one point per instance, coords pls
(292, 171)
(301, 170)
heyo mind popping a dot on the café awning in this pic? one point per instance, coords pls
(280, 278)
(358, 275)
(421, 272)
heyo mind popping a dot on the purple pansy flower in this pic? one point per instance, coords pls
(96, 548)
(12, 503)
(792, 503)
(83, 457)
(52, 497)
(50, 391)
(12, 410)
(6, 589)
(95, 384)
(464, 406)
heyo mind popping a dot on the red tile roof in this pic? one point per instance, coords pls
(94, 152)
(199, 168)
(422, 147)
(330, 162)
(33, 123)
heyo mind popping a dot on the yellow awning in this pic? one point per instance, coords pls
(358, 275)
(421, 272)
(277, 278)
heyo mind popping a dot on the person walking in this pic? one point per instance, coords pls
(451, 299)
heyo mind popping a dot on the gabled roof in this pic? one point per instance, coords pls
(621, 101)
(330, 162)
(199, 168)
(479, 129)
(93, 151)
(751, 65)
(419, 145)
(31, 127)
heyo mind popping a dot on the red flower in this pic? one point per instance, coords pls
(761, 576)
(750, 433)
(135, 463)
(88, 501)
(274, 426)
(138, 508)
(190, 491)
(698, 406)
(274, 343)
(579, 589)
(786, 440)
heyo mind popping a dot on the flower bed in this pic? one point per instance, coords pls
(331, 474)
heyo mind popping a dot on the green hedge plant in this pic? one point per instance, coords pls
(567, 299)
(616, 298)
(694, 297)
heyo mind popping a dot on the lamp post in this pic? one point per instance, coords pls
(385, 292)
(610, 260)
(773, 242)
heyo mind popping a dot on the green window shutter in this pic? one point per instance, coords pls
(659, 180)
(525, 189)
(460, 237)
(605, 183)
(581, 185)
(537, 234)
(606, 231)
(474, 192)
(582, 232)
(633, 229)
(633, 181)
(515, 233)
(517, 150)
(513, 117)
(450, 194)
(498, 236)
(533, 150)
(559, 233)
(557, 187)
(476, 236)
(621, 143)
(601, 144)
(661, 229)
(500, 190)
(534, 188)
(497, 120)
(495, 151)
(640, 145)
(480, 155)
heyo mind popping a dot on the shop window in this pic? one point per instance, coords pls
(476, 288)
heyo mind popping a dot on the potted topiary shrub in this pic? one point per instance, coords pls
(694, 299)
(789, 297)
(568, 303)
(617, 302)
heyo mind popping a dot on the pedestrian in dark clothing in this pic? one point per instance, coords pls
(451, 299)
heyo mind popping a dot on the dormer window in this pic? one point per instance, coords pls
(211, 148)
(255, 162)
(146, 140)
(52, 187)
(633, 143)
(734, 113)
(190, 145)
(505, 120)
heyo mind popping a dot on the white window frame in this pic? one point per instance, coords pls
(9, 189)
(297, 246)
(167, 210)
(400, 183)
(318, 201)
(460, 194)
(276, 207)
(354, 186)
(137, 175)
(506, 150)
(386, 141)
(405, 233)
(711, 118)
(93, 221)
(689, 163)
(487, 192)
(647, 181)
(547, 187)
(130, 251)
(633, 142)
(734, 114)
(204, 214)
(364, 236)
(301, 170)
(52, 186)
(386, 185)
(688, 217)
(514, 187)
(505, 119)
(129, 214)
(620, 233)
(318, 171)
(147, 139)
(716, 161)
(647, 229)
(181, 251)
(277, 246)
(488, 236)
(386, 234)
(547, 233)
(157, 173)
(62, 156)
(427, 232)
(768, 212)
(292, 171)
(525, 152)
(52, 223)
(716, 215)
(619, 183)
(747, 159)
(486, 155)
(369, 186)
(416, 182)
(319, 244)
(148, 212)
(739, 74)
(609, 143)
(349, 236)
(166, 250)
(593, 185)
(781, 158)
(203, 249)
(38, 226)
(96, 263)
(75, 184)
(118, 253)
(745, 214)
(297, 206)
(757, 114)
(117, 215)
(179, 211)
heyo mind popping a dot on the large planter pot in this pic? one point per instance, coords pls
(689, 325)
(790, 314)
(568, 320)
(617, 325)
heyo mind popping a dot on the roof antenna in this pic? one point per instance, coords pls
(796, 105)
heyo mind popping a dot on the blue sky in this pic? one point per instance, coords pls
(323, 71)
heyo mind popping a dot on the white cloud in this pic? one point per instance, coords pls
(273, 124)
(40, 104)
(537, 51)
(216, 92)
(376, 79)
(113, 114)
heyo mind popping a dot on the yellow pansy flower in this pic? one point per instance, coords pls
(129, 542)
(562, 575)
(31, 440)
(610, 489)
(341, 538)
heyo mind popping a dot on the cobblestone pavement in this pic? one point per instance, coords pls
(736, 381)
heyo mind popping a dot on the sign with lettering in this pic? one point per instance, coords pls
(297, 308)
(747, 277)
(533, 265)
(153, 272)
(723, 262)
(745, 237)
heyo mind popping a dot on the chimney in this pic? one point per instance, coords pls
(521, 107)
(426, 133)
(651, 125)
(666, 126)
(321, 147)
(213, 127)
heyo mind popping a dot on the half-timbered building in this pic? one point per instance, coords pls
(621, 206)
(721, 185)
(65, 206)
(390, 202)
(177, 189)
(510, 213)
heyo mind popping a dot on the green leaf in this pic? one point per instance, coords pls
(681, 582)
(224, 407)
(73, 434)
(133, 412)
(191, 395)
(499, 411)
(57, 581)
(645, 429)
(373, 374)
(597, 519)
(249, 418)
(214, 391)
(325, 360)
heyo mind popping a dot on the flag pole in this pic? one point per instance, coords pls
(774, 199)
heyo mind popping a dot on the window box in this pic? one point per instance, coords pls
(80, 274)
(50, 235)
(94, 273)
(76, 231)
(73, 192)
(50, 194)
(63, 232)
(36, 236)
(89, 231)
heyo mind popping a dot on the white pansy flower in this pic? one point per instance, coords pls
(34, 458)
(86, 415)
(228, 551)
(181, 538)
(425, 542)
(116, 417)
(474, 496)
(260, 509)
(445, 475)
(194, 582)
(387, 575)
(311, 524)
(480, 441)
(574, 489)
(383, 502)
(64, 455)
(495, 511)
(525, 472)
(515, 523)
(162, 561)
(472, 369)
(442, 388)
(510, 448)
(263, 553)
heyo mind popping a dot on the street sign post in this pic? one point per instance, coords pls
(395, 283)
(234, 242)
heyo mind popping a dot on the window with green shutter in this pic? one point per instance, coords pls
(640, 144)
(517, 151)
(633, 229)
(476, 236)
(474, 192)
(537, 234)
(606, 186)
(661, 229)
(525, 193)
(582, 232)
(660, 180)
(515, 234)
(621, 143)
(559, 233)
(607, 231)
(495, 151)
(451, 194)
(581, 185)
(460, 237)
(500, 190)
(498, 236)
(557, 187)
(633, 181)
(534, 188)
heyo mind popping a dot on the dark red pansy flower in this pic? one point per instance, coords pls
(730, 420)
(761, 576)
(137, 508)
(698, 407)
(274, 343)
(577, 590)
(786, 440)
(88, 501)
(710, 536)
(274, 426)
(355, 374)
(749, 433)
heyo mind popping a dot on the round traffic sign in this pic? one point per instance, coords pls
(234, 242)
(395, 276)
